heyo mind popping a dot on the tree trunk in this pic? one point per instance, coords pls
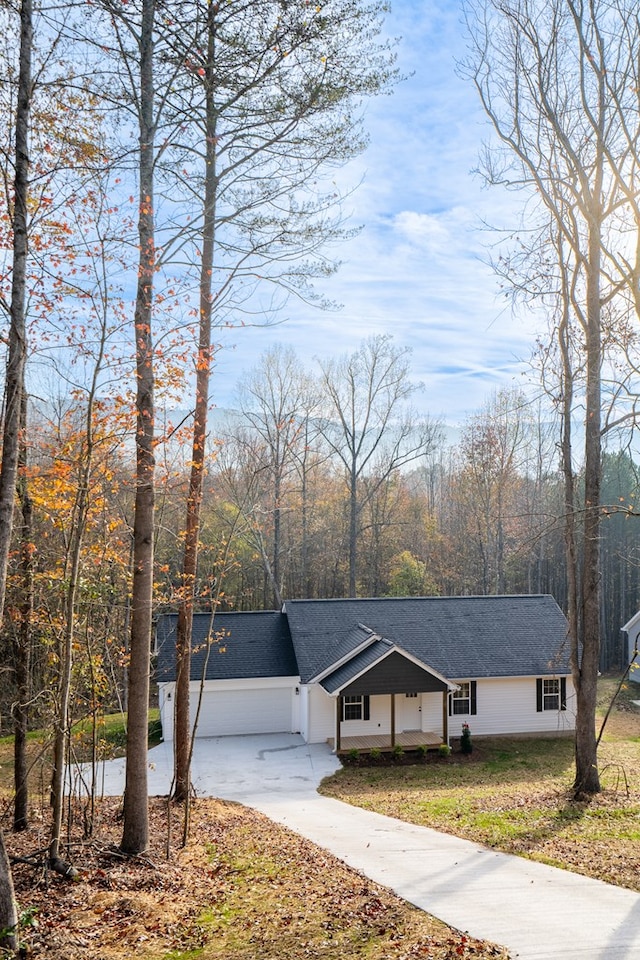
(14, 388)
(135, 837)
(14, 377)
(22, 643)
(353, 530)
(182, 733)
(277, 526)
(587, 780)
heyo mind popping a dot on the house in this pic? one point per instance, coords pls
(631, 646)
(365, 672)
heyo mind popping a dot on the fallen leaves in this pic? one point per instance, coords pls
(243, 888)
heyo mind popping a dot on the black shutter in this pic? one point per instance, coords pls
(539, 695)
(365, 708)
(473, 697)
(563, 693)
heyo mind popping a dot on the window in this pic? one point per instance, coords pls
(551, 693)
(462, 702)
(355, 708)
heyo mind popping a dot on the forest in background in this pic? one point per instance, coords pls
(482, 516)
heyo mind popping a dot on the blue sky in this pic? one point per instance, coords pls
(417, 270)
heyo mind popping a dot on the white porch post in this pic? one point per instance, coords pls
(445, 717)
(393, 720)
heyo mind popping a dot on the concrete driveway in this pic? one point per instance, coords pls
(538, 912)
(235, 768)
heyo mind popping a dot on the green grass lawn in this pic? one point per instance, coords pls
(514, 795)
(111, 741)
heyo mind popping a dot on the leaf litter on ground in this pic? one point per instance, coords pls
(244, 888)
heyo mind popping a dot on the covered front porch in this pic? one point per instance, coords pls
(400, 686)
(407, 739)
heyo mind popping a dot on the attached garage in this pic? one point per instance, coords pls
(255, 710)
(230, 708)
(252, 683)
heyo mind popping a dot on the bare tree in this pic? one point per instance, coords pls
(268, 95)
(277, 401)
(559, 83)
(369, 427)
(14, 384)
(134, 46)
(495, 448)
(22, 641)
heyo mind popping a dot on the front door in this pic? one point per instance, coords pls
(410, 711)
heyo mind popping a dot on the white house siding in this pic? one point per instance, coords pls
(303, 711)
(165, 703)
(432, 712)
(378, 721)
(283, 705)
(508, 705)
(320, 722)
(321, 714)
(238, 707)
(632, 629)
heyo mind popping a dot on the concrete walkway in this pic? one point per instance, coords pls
(537, 912)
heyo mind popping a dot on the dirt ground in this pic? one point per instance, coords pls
(243, 888)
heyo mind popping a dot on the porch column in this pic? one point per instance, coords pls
(338, 721)
(445, 717)
(393, 720)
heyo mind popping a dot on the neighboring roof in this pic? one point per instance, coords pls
(245, 645)
(457, 636)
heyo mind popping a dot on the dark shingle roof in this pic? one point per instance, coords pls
(244, 645)
(457, 636)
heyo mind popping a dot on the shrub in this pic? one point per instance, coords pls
(375, 753)
(465, 740)
(444, 750)
(353, 755)
(422, 751)
(397, 752)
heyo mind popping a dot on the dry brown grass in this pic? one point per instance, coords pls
(515, 796)
(243, 889)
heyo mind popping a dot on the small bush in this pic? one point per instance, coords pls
(465, 740)
(353, 756)
(422, 751)
(375, 753)
(397, 752)
(444, 750)
(155, 733)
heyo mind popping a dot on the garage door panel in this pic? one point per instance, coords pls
(229, 712)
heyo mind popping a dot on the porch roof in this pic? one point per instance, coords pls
(384, 668)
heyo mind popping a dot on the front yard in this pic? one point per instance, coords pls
(514, 795)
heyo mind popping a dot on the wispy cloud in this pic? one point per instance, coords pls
(417, 270)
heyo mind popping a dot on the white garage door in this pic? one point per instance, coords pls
(229, 712)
